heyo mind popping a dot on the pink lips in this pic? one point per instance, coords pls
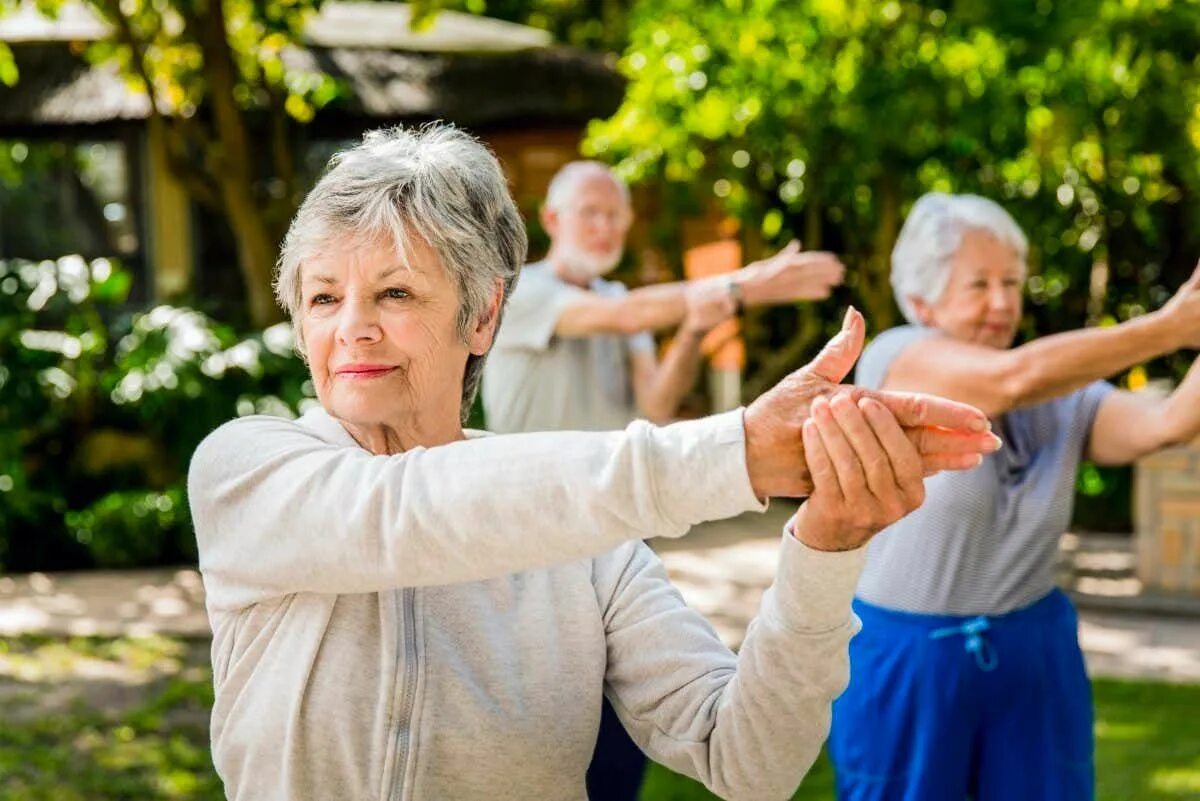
(359, 372)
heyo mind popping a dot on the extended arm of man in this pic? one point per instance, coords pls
(279, 510)
(789, 275)
(660, 386)
(996, 381)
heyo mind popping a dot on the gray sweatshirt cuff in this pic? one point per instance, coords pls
(813, 589)
(702, 472)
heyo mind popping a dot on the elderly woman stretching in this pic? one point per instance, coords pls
(968, 679)
(401, 610)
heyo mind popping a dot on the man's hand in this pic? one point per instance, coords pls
(947, 435)
(790, 275)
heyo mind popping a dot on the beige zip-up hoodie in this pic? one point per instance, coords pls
(440, 625)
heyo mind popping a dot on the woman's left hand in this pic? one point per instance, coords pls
(866, 473)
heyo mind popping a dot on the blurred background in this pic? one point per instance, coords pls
(152, 153)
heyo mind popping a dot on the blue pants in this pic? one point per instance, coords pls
(942, 708)
(617, 764)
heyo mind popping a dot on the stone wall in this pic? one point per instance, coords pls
(1167, 520)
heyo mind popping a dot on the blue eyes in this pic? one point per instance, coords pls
(392, 293)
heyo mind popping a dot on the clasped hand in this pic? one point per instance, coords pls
(859, 456)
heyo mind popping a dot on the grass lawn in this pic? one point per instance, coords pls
(100, 720)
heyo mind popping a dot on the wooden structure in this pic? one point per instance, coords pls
(506, 83)
(1167, 520)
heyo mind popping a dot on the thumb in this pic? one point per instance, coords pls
(837, 358)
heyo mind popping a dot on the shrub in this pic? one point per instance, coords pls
(101, 408)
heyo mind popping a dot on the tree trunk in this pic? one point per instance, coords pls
(237, 160)
(257, 251)
(875, 287)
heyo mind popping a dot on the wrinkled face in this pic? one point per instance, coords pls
(589, 230)
(380, 334)
(982, 299)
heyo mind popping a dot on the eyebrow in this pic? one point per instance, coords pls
(329, 280)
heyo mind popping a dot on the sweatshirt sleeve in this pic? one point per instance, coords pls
(748, 726)
(279, 510)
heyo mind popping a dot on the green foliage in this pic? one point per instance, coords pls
(155, 748)
(591, 24)
(100, 411)
(826, 119)
(225, 85)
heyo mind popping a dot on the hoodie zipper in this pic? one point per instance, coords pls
(407, 653)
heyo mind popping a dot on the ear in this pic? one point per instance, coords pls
(484, 333)
(549, 218)
(924, 310)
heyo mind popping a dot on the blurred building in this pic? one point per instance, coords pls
(96, 176)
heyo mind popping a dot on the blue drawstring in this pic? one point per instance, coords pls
(972, 630)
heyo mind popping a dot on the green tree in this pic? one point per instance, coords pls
(222, 96)
(826, 119)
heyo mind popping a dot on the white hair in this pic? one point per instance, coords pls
(436, 183)
(567, 180)
(931, 236)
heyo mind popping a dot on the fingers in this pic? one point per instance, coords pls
(847, 464)
(913, 410)
(790, 249)
(836, 359)
(933, 463)
(941, 440)
(820, 466)
(871, 455)
(907, 466)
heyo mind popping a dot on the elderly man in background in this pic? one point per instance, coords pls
(408, 611)
(577, 351)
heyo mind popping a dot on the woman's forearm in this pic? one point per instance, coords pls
(997, 381)
(1055, 365)
(1180, 419)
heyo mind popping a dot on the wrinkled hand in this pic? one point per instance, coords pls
(866, 474)
(791, 275)
(1183, 311)
(946, 434)
(708, 303)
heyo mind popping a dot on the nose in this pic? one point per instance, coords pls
(358, 322)
(1000, 297)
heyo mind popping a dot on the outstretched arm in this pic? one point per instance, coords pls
(1130, 425)
(660, 386)
(789, 275)
(996, 381)
(750, 727)
(280, 510)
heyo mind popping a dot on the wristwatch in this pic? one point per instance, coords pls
(735, 292)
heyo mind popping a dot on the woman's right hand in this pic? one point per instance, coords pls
(946, 434)
(866, 474)
(1183, 312)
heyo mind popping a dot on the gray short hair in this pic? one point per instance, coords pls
(567, 179)
(932, 235)
(435, 182)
